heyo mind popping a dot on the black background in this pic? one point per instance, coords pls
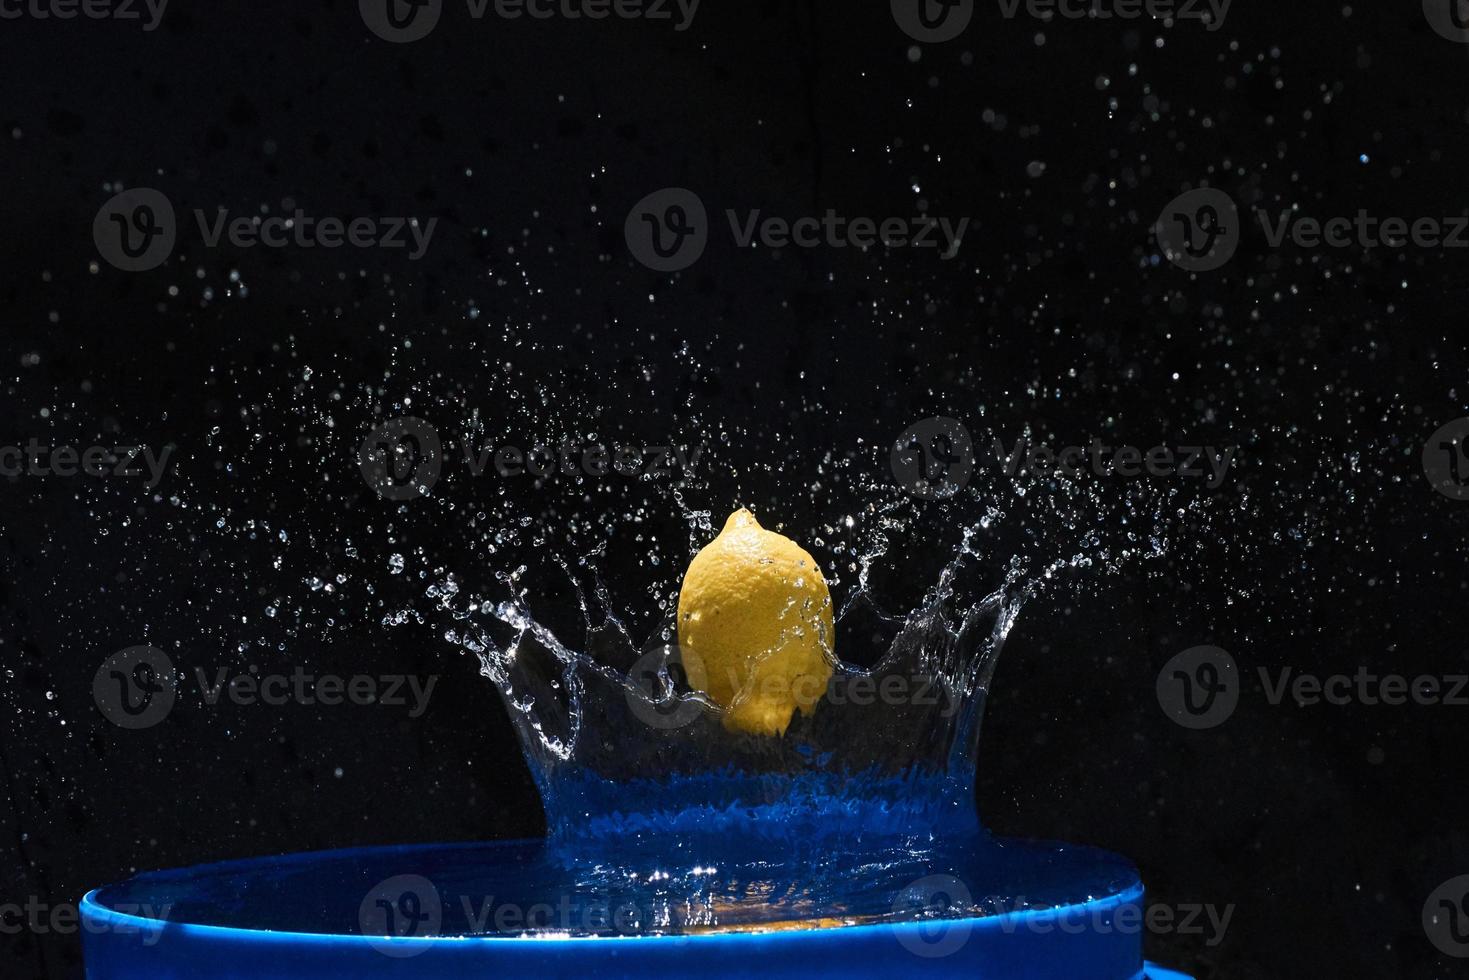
(1326, 827)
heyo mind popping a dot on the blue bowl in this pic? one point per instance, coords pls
(315, 915)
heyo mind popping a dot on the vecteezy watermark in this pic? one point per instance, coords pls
(936, 458)
(1207, 921)
(138, 687)
(1201, 230)
(1200, 688)
(328, 690)
(43, 918)
(403, 459)
(933, 917)
(1446, 460)
(1364, 231)
(136, 230)
(1449, 19)
(34, 459)
(401, 21)
(668, 230)
(933, 459)
(938, 21)
(148, 12)
(660, 687)
(398, 914)
(665, 681)
(405, 21)
(398, 910)
(135, 688)
(1210, 13)
(1365, 687)
(1446, 917)
(944, 907)
(933, 21)
(835, 231)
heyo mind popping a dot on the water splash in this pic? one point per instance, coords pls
(621, 743)
(651, 799)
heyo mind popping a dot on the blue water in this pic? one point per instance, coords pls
(851, 843)
(650, 799)
(637, 894)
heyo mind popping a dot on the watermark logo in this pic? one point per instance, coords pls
(1446, 917)
(34, 459)
(1199, 230)
(936, 458)
(136, 230)
(1210, 13)
(1307, 690)
(401, 21)
(655, 683)
(862, 690)
(933, 459)
(1363, 231)
(1446, 460)
(401, 459)
(135, 688)
(329, 690)
(138, 687)
(661, 681)
(43, 918)
(933, 21)
(938, 21)
(668, 230)
(1207, 921)
(410, 907)
(121, 10)
(832, 230)
(405, 21)
(936, 916)
(1199, 688)
(1449, 19)
(401, 908)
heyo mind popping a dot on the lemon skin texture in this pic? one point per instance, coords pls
(755, 624)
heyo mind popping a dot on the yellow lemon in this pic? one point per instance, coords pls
(755, 626)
